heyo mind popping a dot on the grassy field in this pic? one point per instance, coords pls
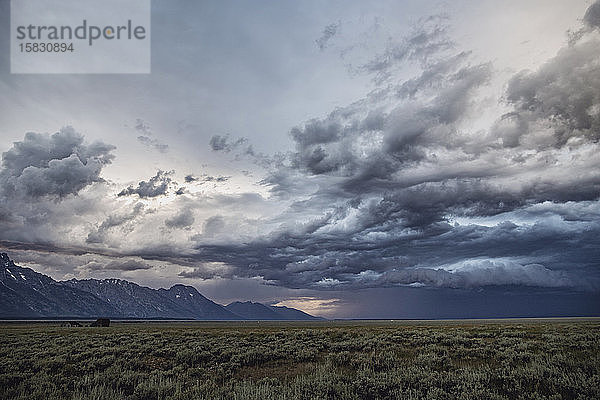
(517, 359)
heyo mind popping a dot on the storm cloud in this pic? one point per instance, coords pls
(384, 180)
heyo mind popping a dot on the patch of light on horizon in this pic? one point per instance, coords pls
(312, 305)
(493, 221)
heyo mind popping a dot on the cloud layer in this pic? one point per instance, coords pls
(379, 184)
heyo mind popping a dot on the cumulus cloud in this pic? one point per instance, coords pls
(52, 165)
(156, 186)
(190, 178)
(562, 96)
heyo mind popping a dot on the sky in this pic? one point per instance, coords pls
(354, 159)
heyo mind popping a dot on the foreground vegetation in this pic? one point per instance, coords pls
(387, 360)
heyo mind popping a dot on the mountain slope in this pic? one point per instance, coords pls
(258, 311)
(293, 314)
(135, 301)
(25, 293)
(250, 310)
(190, 299)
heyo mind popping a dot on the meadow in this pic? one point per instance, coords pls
(513, 359)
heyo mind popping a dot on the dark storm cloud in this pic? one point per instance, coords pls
(479, 273)
(366, 143)
(146, 138)
(456, 257)
(378, 184)
(52, 165)
(156, 186)
(190, 178)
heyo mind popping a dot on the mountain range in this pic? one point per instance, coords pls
(25, 293)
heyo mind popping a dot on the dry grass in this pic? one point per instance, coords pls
(516, 359)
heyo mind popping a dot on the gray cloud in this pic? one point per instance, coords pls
(209, 271)
(209, 178)
(153, 143)
(478, 273)
(156, 186)
(225, 143)
(456, 257)
(592, 16)
(241, 149)
(52, 165)
(126, 265)
(114, 220)
(146, 138)
(213, 225)
(562, 95)
(328, 33)
(183, 219)
(427, 42)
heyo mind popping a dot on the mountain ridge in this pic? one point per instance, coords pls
(25, 293)
(259, 311)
